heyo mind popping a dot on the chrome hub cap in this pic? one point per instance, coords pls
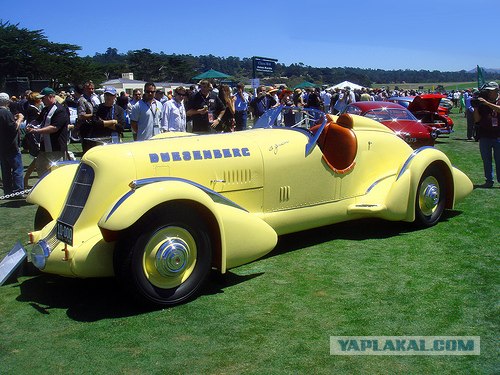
(169, 257)
(429, 196)
(172, 257)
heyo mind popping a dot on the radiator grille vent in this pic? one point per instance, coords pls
(80, 190)
(239, 176)
(284, 193)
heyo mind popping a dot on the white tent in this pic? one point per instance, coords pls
(344, 84)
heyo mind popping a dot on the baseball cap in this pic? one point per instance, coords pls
(110, 90)
(4, 97)
(46, 91)
(490, 86)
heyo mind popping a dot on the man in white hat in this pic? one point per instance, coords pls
(10, 155)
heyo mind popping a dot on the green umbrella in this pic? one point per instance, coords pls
(305, 85)
(211, 74)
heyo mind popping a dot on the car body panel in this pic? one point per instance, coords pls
(426, 108)
(268, 181)
(53, 188)
(396, 118)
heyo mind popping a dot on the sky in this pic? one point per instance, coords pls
(443, 35)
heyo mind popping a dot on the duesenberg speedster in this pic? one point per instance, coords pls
(161, 214)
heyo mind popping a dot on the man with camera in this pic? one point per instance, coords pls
(486, 117)
(262, 102)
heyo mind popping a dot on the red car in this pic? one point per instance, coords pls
(397, 118)
(427, 109)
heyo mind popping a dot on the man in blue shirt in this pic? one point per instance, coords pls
(241, 107)
(145, 116)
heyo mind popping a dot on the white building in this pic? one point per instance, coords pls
(128, 84)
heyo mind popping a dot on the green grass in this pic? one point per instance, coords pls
(275, 315)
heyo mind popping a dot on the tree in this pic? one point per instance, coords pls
(29, 54)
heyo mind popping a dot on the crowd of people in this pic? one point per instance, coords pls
(43, 122)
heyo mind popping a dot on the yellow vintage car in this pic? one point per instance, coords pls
(160, 214)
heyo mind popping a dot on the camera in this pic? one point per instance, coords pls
(474, 101)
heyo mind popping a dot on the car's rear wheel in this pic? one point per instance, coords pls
(168, 262)
(430, 199)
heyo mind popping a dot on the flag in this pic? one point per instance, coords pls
(480, 77)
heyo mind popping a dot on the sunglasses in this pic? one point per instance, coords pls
(149, 92)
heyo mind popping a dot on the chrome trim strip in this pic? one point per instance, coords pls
(136, 184)
(377, 182)
(312, 142)
(216, 197)
(410, 158)
(118, 204)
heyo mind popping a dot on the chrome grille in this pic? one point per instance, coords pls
(80, 190)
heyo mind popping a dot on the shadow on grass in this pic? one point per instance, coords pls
(85, 300)
(90, 300)
(357, 230)
(486, 187)
(14, 203)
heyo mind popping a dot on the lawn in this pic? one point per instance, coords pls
(276, 315)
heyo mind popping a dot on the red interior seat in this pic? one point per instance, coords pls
(339, 144)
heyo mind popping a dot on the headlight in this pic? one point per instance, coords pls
(403, 135)
(39, 254)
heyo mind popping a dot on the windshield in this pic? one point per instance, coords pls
(389, 114)
(294, 118)
(291, 117)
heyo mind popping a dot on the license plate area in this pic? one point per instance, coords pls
(64, 232)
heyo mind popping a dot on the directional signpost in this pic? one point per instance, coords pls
(263, 65)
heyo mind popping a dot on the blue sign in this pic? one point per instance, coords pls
(264, 64)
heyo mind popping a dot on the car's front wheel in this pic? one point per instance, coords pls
(430, 199)
(168, 262)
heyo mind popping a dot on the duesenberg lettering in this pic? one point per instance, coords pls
(199, 155)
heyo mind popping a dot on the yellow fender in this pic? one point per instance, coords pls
(236, 227)
(51, 191)
(411, 172)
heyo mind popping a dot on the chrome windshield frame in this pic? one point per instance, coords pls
(268, 120)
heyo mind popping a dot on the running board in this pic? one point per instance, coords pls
(365, 208)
